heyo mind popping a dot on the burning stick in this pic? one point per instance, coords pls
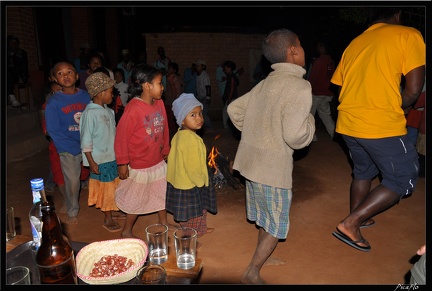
(222, 165)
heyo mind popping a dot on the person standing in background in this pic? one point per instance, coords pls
(204, 92)
(321, 71)
(126, 65)
(371, 117)
(262, 69)
(94, 63)
(189, 79)
(123, 90)
(17, 68)
(56, 175)
(173, 89)
(274, 119)
(220, 79)
(162, 64)
(230, 93)
(84, 57)
(416, 128)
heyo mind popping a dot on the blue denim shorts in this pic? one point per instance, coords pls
(394, 157)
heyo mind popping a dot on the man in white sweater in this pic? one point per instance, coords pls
(274, 118)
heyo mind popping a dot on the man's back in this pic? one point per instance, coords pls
(370, 74)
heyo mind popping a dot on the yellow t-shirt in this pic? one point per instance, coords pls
(369, 73)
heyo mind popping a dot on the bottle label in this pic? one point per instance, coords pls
(36, 228)
(36, 196)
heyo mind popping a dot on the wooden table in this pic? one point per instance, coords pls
(175, 275)
(16, 241)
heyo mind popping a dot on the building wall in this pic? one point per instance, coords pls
(214, 48)
(82, 28)
(20, 22)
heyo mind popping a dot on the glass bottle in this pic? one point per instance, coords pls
(35, 214)
(55, 257)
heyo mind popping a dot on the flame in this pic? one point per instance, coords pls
(212, 158)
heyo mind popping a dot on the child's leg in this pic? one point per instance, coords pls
(71, 168)
(128, 225)
(163, 217)
(109, 223)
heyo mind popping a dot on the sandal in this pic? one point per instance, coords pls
(113, 227)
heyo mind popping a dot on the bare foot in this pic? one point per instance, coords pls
(209, 230)
(119, 215)
(367, 223)
(112, 226)
(172, 227)
(353, 234)
(249, 277)
(274, 262)
(71, 220)
(63, 209)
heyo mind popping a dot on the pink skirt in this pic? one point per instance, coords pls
(144, 191)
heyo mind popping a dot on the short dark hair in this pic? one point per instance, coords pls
(229, 64)
(102, 70)
(382, 13)
(115, 70)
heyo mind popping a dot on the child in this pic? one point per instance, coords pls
(172, 91)
(62, 114)
(122, 88)
(190, 193)
(204, 92)
(56, 176)
(95, 62)
(230, 91)
(271, 129)
(97, 130)
(141, 147)
(121, 85)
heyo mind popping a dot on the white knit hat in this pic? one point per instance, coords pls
(183, 105)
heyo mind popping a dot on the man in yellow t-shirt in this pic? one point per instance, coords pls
(371, 117)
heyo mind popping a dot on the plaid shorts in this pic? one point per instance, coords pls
(269, 207)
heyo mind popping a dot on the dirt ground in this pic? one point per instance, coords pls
(312, 256)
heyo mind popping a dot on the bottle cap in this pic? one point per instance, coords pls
(37, 184)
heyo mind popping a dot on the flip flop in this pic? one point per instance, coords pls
(338, 234)
(363, 225)
(114, 228)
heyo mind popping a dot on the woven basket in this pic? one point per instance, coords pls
(131, 248)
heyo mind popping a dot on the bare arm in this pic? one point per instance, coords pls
(413, 86)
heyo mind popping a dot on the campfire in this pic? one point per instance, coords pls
(222, 169)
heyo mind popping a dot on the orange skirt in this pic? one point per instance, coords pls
(101, 194)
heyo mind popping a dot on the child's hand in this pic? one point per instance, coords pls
(421, 250)
(94, 169)
(123, 172)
